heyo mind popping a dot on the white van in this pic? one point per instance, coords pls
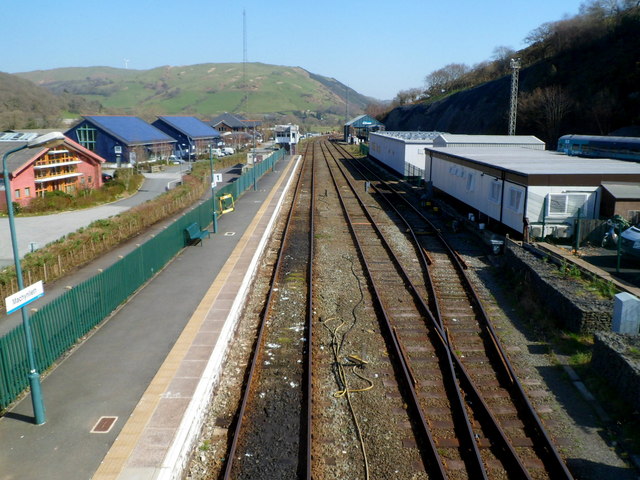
(217, 152)
(228, 151)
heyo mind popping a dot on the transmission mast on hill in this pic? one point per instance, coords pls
(513, 113)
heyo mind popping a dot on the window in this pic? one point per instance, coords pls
(27, 191)
(87, 137)
(471, 182)
(16, 194)
(494, 193)
(565, 203)
(515, 198)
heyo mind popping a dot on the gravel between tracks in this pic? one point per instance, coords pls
(570, 420)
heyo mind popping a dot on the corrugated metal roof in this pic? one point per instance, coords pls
(189, 126)
(129, 130)
(425, 137)
(446, 138)
(527, 161)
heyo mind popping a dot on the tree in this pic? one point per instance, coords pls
(376, 109)
(445, 78)
(603, 108)
(405, 97)
(546, 108)
(607, 8)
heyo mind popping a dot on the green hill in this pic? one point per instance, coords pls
(207, 90)
(25, 105)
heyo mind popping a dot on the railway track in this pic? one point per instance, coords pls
(409, 378)
(508, 430)
(278, 382)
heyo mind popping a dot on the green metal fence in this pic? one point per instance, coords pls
(58, 325)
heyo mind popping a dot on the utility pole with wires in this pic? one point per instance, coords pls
(513, 113)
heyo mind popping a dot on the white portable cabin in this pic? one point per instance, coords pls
(401, 151)
(510, 185)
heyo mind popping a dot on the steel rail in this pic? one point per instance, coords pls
(475, 463)
(309, 373)
(434, 456)
(259, 342)
(510, 455)
(555, 464)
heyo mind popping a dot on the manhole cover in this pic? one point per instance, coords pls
(104, 424)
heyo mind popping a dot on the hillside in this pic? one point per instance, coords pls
(205, 90)
(581, 76)
(25, 105)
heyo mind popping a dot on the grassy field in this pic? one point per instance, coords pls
(205, 89)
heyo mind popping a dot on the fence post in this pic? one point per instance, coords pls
(578, 230)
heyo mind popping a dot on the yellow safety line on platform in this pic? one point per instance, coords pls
(115, 461)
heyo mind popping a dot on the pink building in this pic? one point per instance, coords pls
(68, 167)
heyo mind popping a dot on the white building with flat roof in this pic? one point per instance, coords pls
(511, 184)
(401, 151)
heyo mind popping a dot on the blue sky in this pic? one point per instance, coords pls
(375, 47)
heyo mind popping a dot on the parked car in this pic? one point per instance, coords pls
(106, 177)
(630, 242)
(228, 151)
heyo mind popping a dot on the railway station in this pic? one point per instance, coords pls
(306, 323)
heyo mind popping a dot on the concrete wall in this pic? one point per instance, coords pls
(616, 359)
(564, 298)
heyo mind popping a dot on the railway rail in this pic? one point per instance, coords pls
(435, 379)
(278, 381)
(505, 420)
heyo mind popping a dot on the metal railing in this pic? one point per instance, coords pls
(58, 325)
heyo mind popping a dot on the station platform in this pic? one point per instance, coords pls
(128, 402)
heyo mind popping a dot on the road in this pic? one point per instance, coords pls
(44, 229)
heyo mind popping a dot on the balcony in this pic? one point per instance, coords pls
(56, 164)
(54, 178)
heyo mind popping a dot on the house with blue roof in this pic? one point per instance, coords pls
(122, 140)
(193, 136)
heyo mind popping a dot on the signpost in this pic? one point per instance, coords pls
(24, 297)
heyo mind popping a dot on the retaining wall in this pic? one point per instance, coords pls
(616, 358)
(573, 307)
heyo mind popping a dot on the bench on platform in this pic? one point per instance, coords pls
(194, 234)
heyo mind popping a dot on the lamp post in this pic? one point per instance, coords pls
(213, 191)
(47, 140)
